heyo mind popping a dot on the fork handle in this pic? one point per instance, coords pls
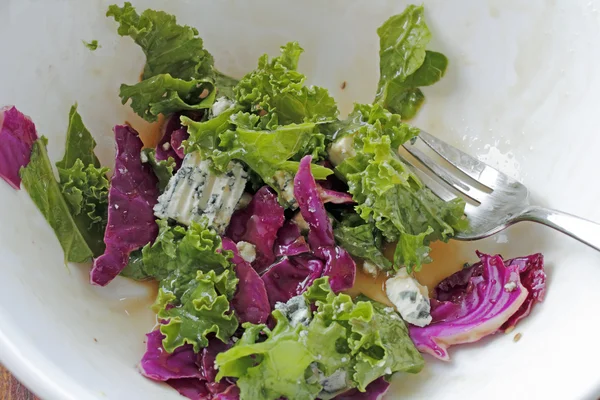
(585, 231)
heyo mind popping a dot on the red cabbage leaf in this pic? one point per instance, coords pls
(17, 134)
(250, 300)
(476, 302)
(258, 224)
(132, 195)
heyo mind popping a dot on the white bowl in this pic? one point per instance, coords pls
(522, 93)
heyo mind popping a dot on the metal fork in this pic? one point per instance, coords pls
(501, 202)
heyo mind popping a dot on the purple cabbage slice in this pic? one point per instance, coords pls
(250, 302)
(164, 148)
(17, 134)
(312, 209)
(374, 391)
(533, 277)
(258, 224)
(177, 139)
(491, 293)
(333, 196)
(339, 267)
(159, 365)
(290, 241)
(131, 198)
(531, 272)
(290, 277)
(193, 389)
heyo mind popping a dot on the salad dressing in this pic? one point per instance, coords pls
(445, 262)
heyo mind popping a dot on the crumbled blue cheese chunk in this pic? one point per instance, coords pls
(370, 268)
(341, 149)
(296, 310)
(247, 251)
(222, 104)
(195, 193)
(284, 181)
(410, 298)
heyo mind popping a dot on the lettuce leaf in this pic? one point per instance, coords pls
(388, 193)
(178, 74)
(164, 94)
(271, 368)
(79, 215)
(178, 253)
(405, 64)
(163, 169)
(276, 91)
(361, 242)
(84, 183)
(169, 48)
(86, 191)
(44, 190)
(202, 309)
(79, 144)
(340, 346)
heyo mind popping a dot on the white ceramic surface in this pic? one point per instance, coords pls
(522, 92)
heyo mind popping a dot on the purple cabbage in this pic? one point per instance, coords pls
(311, 206)
(290, 241)
(17, 134)
(290, 277)
(258, 224)
(170, 142)
(131, 198)
(159, 365)
(192, 375)
(533, 277)
(374, 391)
(193, 389)
(470, 305)
(250, 301)
(177, 139)
(333, 196)
(531, 273)
(339, 267)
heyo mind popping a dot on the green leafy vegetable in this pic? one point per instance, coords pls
(269, 154)
(389, 194)
(203, 308)
(361, 241)
(276, 91)
(163, 94)
(79, 145)
(93, 45)
(178, 253)
(44, 190)
(204, 136)
(163, 169)
(86, 191)
(404, 63)
(169, 48)
(344, 345)
(84, 183)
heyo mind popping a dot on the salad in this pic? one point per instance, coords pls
(254, 212)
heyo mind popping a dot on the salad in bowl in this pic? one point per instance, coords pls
(257, 212)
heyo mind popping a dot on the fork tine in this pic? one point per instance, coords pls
(474, 168)
(434, 186)
(464, 188)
